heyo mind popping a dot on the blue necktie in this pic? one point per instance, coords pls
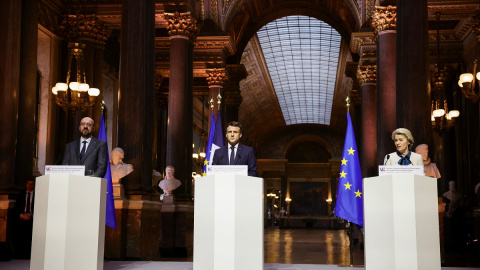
(232, 155)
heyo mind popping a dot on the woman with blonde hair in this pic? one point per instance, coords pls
(403, 140)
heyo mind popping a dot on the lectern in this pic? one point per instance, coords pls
(69, 222)
(228, 228)
(401, 222)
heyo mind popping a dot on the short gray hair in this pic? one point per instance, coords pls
(405, 132)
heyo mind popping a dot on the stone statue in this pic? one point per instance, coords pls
(282, 212)
(169, 184)
(430, 169)
(118, 168)
(454, 199)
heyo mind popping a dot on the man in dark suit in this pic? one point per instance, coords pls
(23, 221)
(235, 153)
(88, 151)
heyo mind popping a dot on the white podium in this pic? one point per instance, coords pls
(228, 228)
(401, 222)
(69, 223)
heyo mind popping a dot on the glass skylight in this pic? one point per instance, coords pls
(301, 54)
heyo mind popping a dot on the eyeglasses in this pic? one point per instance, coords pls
(86, 124)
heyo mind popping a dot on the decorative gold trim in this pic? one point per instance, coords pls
(360, 39)
(384, 18)
(217, 76)
(80, 26)
(182, 24)
(367, 74)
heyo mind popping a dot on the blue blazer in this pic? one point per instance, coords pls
(95, 157)
(244, 156)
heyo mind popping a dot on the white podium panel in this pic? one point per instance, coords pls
(69, 223)
(228, 228)
(401, 222)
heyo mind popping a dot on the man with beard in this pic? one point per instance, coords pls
(88, 151)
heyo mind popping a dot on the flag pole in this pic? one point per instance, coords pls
(350, 227)
(350, 236)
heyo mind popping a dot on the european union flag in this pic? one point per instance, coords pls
(349, 205)
(209, 153)
(110, 219)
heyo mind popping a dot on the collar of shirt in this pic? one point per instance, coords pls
(83, 140)
(234, 146)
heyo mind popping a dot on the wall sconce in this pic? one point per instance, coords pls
(468, 84)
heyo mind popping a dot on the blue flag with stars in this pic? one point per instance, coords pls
(110, 219)
(349, 205)
(209, 153)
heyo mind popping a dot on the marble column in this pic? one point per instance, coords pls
(384, 27)
(181, 28)
(413, 88)
(216, 80)
(10, 14)
(10, 11)
(137, 92)
(27, 93)
(367, 78)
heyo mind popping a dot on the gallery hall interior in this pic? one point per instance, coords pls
(160, 78)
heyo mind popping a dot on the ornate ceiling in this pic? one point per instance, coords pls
(227, 37)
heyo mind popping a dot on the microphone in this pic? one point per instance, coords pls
(388, 157)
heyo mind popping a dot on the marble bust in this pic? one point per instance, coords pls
(169, 184)
(430, 168)
(118, 168)
(454, 198)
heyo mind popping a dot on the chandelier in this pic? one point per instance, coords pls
(441, 118)
(75, 95)
(467, 82)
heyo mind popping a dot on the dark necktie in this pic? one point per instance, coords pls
(84, 148)
(232, 155)
(28, 203)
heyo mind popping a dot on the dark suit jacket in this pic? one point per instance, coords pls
(19, 207)
(244, 156)
(95, 157)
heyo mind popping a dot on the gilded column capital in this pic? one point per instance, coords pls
(384, 18)
(367, 74)
(217, 76)
(80, 26)
(181, 24)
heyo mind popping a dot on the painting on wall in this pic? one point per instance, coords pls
(309, 198)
